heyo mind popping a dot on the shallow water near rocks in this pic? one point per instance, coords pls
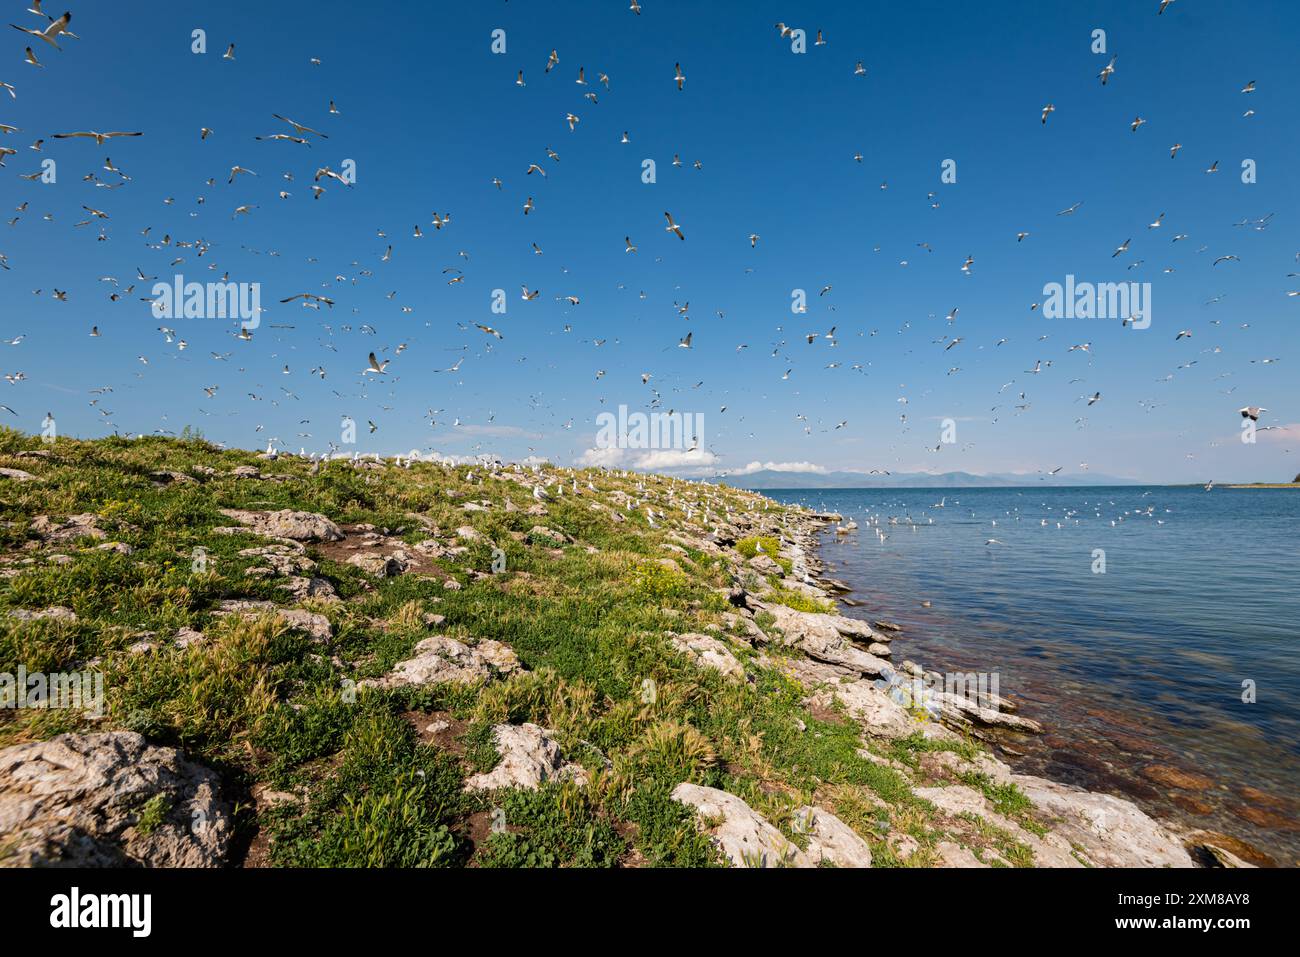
(1137, 673)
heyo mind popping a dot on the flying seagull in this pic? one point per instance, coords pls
(50, 33)
(99, 138)
(299, 127)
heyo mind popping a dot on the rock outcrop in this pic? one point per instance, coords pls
(743, 836)
(69, 530)
(379, 565)
(1112, 832)
(109, 800)
(529, 756)
(830, 840)
(439, 659)
(828, 639)
(709, 652)
(313, 623)
(288, 523)
(747, 839)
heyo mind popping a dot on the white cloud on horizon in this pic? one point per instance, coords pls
(650, 460)
(675, 459)
(602, 458)
(753, 467)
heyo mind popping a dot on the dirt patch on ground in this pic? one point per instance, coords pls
(825, 713)
(477, 829)
(630, 832)
(258, 854)
(447, 732)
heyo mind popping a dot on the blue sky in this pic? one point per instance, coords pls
(430, 115)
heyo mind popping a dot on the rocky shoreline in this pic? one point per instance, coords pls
(658, 657)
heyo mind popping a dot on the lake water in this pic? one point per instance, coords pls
(1132, 670)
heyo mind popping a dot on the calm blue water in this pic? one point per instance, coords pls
(1142, 665)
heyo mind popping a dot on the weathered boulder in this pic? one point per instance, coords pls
(186, 637)
(78, 800)
(962, 710)
(288, 523)
(529, 756)
(315, 625)
(438, 659)
(826, 638)
(1226, 851)
(830, 840)
(303, 588)
(1111, 831)
(952, 764)
(766, 565)
(381, 566)
(879, 715)
(283, 560)
(17, 475)
(708, 652)
(738, 831)
(53, 613)
(69, 530)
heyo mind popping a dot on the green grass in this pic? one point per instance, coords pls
(556, 825)
(390, 803)
(798, 600)
(153, 814)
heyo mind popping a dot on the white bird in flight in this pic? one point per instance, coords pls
(51, 33)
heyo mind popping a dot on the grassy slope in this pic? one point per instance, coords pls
(266, 706)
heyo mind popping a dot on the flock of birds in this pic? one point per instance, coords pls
(884, 518)
(47, 35)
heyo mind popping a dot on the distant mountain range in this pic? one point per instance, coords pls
(768, 478)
